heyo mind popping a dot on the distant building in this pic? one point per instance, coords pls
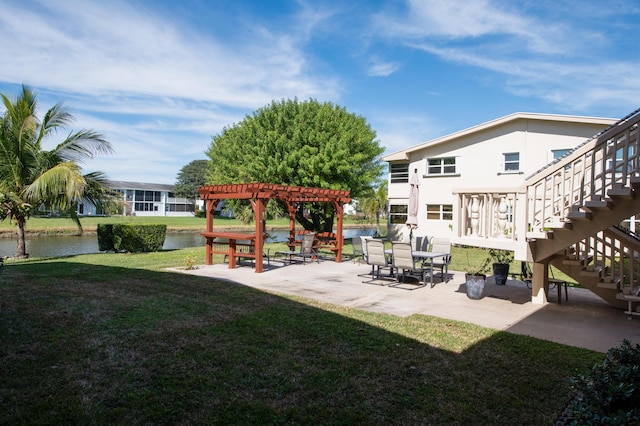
(146, 199)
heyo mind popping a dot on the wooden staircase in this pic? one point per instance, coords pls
(568, 213)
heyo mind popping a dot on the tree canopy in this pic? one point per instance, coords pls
(190, 178)
(306, 143)
(31, 177)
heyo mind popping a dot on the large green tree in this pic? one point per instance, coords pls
(32, 177)
(306, 143)
(190, 178)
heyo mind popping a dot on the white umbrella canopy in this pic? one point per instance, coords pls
(414, 199)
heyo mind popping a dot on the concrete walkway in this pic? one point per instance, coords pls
(584, 321)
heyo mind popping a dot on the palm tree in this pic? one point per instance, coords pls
(375, 204)
(31, 177)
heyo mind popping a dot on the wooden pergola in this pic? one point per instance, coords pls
(259, 195)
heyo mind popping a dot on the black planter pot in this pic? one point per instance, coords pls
(501, 273)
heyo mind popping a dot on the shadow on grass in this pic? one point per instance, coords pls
(104, 344)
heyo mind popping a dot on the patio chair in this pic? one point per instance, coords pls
(423, 243)
(307, 250)
(442, 245)
(527, 277)
(364, 240)
(358, 251)
(377, 258)
(404, 263)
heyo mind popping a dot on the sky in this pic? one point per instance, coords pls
(160, 78)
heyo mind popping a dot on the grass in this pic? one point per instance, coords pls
(114, 338)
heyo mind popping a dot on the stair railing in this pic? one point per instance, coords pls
(606, 161)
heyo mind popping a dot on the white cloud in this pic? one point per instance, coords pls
(379, 68)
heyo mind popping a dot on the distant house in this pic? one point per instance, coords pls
(497, 154)
(146, 199)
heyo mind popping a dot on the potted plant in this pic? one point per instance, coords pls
(476, 277)
(501, 260)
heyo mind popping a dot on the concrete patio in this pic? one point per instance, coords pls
(584, 321)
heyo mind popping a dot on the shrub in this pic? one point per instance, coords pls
(610, 393)
(131, 238)
(105, 237)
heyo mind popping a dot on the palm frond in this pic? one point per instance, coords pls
(60, 184)
(83, 144)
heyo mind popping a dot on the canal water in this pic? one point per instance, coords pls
(64, 245)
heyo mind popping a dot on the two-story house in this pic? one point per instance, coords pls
(539, 185)
(496, 154)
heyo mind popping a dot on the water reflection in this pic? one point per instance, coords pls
(46, 246)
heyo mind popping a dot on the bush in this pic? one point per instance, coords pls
(610, 393)
(105, 237)
(131, 238)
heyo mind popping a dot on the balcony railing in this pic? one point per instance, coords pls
(607, 161)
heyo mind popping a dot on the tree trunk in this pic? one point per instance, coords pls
(21, 249)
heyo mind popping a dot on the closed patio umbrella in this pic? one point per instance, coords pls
(414, 198)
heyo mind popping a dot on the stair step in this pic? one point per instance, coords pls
(599, 204)
(609, 282)
(559, 225)
(591, 271)
(621, 192)
(576, 260)
(579, 215)
(539, 235)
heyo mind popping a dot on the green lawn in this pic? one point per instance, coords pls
(114, 338)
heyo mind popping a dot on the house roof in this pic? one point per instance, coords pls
(404, 154)
(142, 186)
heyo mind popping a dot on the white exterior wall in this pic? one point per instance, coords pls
(479, 164)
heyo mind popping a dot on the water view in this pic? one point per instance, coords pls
(46, 246)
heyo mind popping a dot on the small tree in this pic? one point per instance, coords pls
(308, 143)
(190, 178)
(374, 205)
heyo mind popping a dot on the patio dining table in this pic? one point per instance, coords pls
(424, 256)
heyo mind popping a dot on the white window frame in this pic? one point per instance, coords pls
(443, 211)
(506, 162)
(398, 176)
(441, 168)
(402, 214)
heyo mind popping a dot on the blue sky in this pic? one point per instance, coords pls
(160, 78)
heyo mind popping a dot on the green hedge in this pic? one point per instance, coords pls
(131, 238)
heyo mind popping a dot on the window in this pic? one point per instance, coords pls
(441, 166)
(398, 213)
(511, 161)
(558, 153)
(440, 211)
(399, 172)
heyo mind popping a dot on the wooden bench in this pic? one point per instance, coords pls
(327, 241)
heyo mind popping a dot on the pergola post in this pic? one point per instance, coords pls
(339, 208)
(210, 206)
(258, 208)
(291, 209)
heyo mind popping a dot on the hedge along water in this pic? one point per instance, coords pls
(64, 245)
